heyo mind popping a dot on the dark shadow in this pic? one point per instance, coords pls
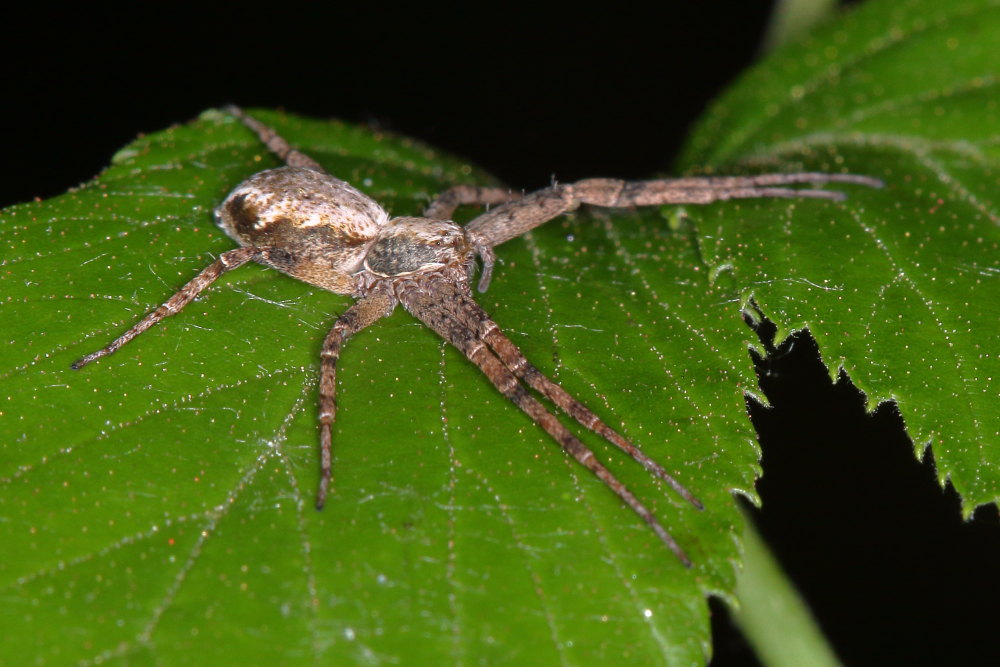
(729, 647)
(877, 548)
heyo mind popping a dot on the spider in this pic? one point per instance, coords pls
(309, 224)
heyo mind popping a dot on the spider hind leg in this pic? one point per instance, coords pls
(227, 261)
(275, 142)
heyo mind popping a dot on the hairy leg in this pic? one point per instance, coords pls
(443, 206)
(515, 218)
(360, 315)
(275, 142)
(473, 316)
(227, 261)
(427, 306)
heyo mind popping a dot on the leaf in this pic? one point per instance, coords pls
(157, 505)
(903, 293)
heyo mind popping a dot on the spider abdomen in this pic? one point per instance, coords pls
(326, 222)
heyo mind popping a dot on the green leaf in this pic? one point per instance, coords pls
(902, 293)
(157, 505)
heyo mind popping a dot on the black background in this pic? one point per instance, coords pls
(877, 548)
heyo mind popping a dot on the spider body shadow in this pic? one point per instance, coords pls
(308, 224)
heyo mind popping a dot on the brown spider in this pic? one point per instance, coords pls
(302, 221)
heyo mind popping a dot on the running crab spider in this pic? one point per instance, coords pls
(308, 224)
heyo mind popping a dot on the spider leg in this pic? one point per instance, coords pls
(444, 205)
(227, 261)
(764, 180)
(474, 317)
(275, 142)
(515, 218)
(360, 315)
(426, 305)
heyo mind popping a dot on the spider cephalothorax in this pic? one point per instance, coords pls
(410, 246)
(317, 228)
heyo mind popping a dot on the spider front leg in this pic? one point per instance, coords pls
(474, 317)
(362, 314)
(518, 217)
(443, 206)
(227, 261)
(427, 303)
